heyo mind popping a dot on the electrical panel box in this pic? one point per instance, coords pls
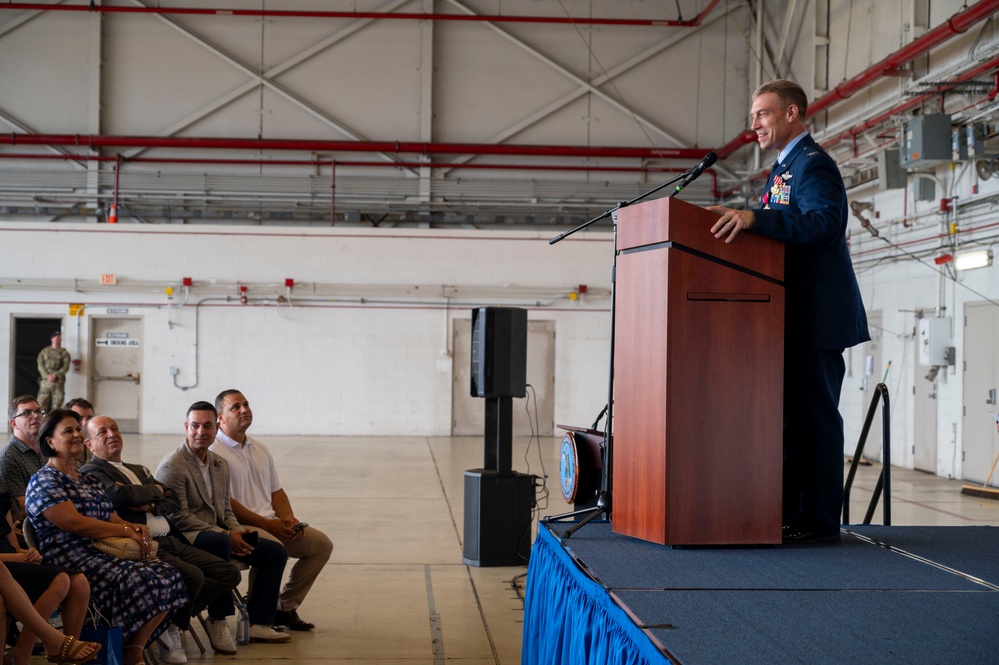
(891, 175)
(926, 141)
(935, 341)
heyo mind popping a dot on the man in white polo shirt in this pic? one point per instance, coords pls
(259, 500)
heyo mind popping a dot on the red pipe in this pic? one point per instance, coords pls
(113, 217)
(92, 141)
(912, 103)
(494, 18)
(745, 138)
(335, 162)
(956, 24)
(852, 133)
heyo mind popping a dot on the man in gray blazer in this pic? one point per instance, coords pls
(138, 498)
(200, 479)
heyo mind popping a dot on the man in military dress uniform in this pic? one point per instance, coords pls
(53, 363)
(805, 206)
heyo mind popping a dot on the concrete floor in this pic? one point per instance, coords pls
(396, 591)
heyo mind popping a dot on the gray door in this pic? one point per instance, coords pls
(924, 404)
(116, 352)
(979, 440)
(873, 375)
(468, 413)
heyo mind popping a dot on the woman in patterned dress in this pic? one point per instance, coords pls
(68, 510)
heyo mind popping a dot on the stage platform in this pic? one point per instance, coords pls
(882, 595)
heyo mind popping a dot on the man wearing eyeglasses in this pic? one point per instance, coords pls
(20, 458)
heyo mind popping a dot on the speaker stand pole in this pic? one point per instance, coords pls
(499, 434)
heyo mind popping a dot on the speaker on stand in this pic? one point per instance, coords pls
(498, 500)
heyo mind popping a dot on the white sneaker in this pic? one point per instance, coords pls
(171, 648)
(261, 633)
(220, 638)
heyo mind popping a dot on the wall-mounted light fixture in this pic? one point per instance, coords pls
(977, 259)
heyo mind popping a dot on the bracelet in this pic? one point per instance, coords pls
(125, 526)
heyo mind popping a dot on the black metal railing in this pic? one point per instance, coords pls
(884, 480)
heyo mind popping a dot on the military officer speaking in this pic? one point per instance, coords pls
(53, 363)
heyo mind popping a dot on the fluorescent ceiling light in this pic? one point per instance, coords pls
(977, 259)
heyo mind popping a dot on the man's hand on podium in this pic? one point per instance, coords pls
(732, 222)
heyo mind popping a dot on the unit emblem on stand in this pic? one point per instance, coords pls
(568, 467)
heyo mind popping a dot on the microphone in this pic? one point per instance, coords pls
(696, 172)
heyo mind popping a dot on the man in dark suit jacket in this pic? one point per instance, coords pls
(804, 205)
(200, 479)
(138, 498)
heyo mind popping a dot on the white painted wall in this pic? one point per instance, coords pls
(365, 348)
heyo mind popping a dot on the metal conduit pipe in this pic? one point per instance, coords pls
(987, 66)
(279, 13)
(392, 147)
(71, 157)
(851, 134)
(956, 24)
(119, 161)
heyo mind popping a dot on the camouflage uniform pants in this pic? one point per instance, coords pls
(50, 395)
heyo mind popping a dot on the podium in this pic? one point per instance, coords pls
(698, 380)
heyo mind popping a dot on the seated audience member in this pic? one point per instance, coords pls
(200, 478)
(48, 587)
(59, 648)
(259, 500)
(20, 458)
(85, 410)
(138, 498)
(69, 509)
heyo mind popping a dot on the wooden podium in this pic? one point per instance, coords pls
(698, 380)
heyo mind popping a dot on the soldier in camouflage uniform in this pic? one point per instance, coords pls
(53, 363)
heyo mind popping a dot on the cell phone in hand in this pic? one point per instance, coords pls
(251, 538)
(299, 526)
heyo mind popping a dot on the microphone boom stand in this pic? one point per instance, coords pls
(604, 495)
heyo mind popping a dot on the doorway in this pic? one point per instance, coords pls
(979, 440)
(31, 335)
(116, 369)
(468, 413)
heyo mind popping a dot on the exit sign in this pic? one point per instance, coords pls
(108, 279)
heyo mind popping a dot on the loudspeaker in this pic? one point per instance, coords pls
(497, 518)
(499, 352)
